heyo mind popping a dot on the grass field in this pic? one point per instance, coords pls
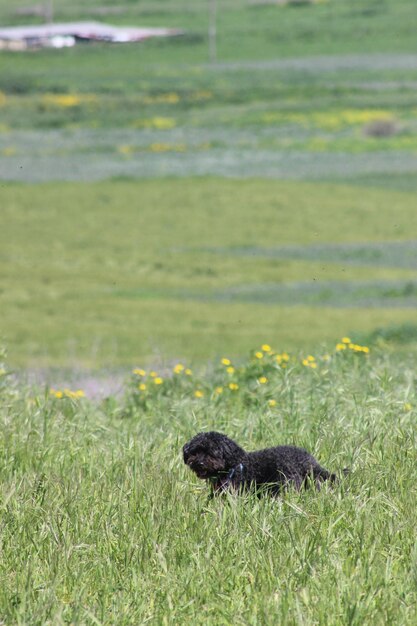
(160, 213)
(160, 217)
(103, 524)
(114, 273)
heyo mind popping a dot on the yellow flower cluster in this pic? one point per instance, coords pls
(162, 98)
(310, 361)
(67, 393)
(157, 380)
(282, 359)
(228, 365)
(203, 94)
(8, 151)
(68, 100)
(159, 123)
(329, 120)
(346, 344)
(125, 149)
(266, 350)
(255, 378)
(168, 147)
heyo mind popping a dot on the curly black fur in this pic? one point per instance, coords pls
(218, 459)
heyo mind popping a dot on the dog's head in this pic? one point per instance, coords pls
(211, 454)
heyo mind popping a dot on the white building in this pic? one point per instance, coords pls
(63, 35)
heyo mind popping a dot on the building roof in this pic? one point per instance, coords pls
(86, 30)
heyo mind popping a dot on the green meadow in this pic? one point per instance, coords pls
(101, 522)
(126, 272)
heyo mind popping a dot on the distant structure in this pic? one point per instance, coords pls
(67, 35)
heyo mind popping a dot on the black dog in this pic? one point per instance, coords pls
(218, 459)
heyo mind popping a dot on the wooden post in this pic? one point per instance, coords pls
(49, 11)
(212, 30)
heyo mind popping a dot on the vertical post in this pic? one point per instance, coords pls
(212, 30)
(49, 11)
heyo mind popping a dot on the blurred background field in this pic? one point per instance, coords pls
(155, 205)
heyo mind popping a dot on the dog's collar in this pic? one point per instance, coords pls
(222, 482)
(232, 472)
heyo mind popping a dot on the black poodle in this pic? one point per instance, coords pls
(218, 459)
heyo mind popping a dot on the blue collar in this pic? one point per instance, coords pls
(233, 471)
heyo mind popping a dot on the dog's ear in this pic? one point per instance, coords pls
(185, 450)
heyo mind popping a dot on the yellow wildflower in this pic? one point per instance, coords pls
(259, 355)
(262, 380)
(266, 348)
(198, 394)
(62, 100)
(161, 123)
(225, 361)
(9, 151)
(340, 346)
(188, 372)
(125, 149)
(219, 390)
(142, 387)
(153, 374)
(407, 406)
(272, 403)
(158, 380)
(230, 369)
(178, 368)
(233, 386)
(356, 348)
(139, 372)
(310, 361)
(346, 340)
(201, 95)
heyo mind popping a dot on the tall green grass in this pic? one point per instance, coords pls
(101, 523)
